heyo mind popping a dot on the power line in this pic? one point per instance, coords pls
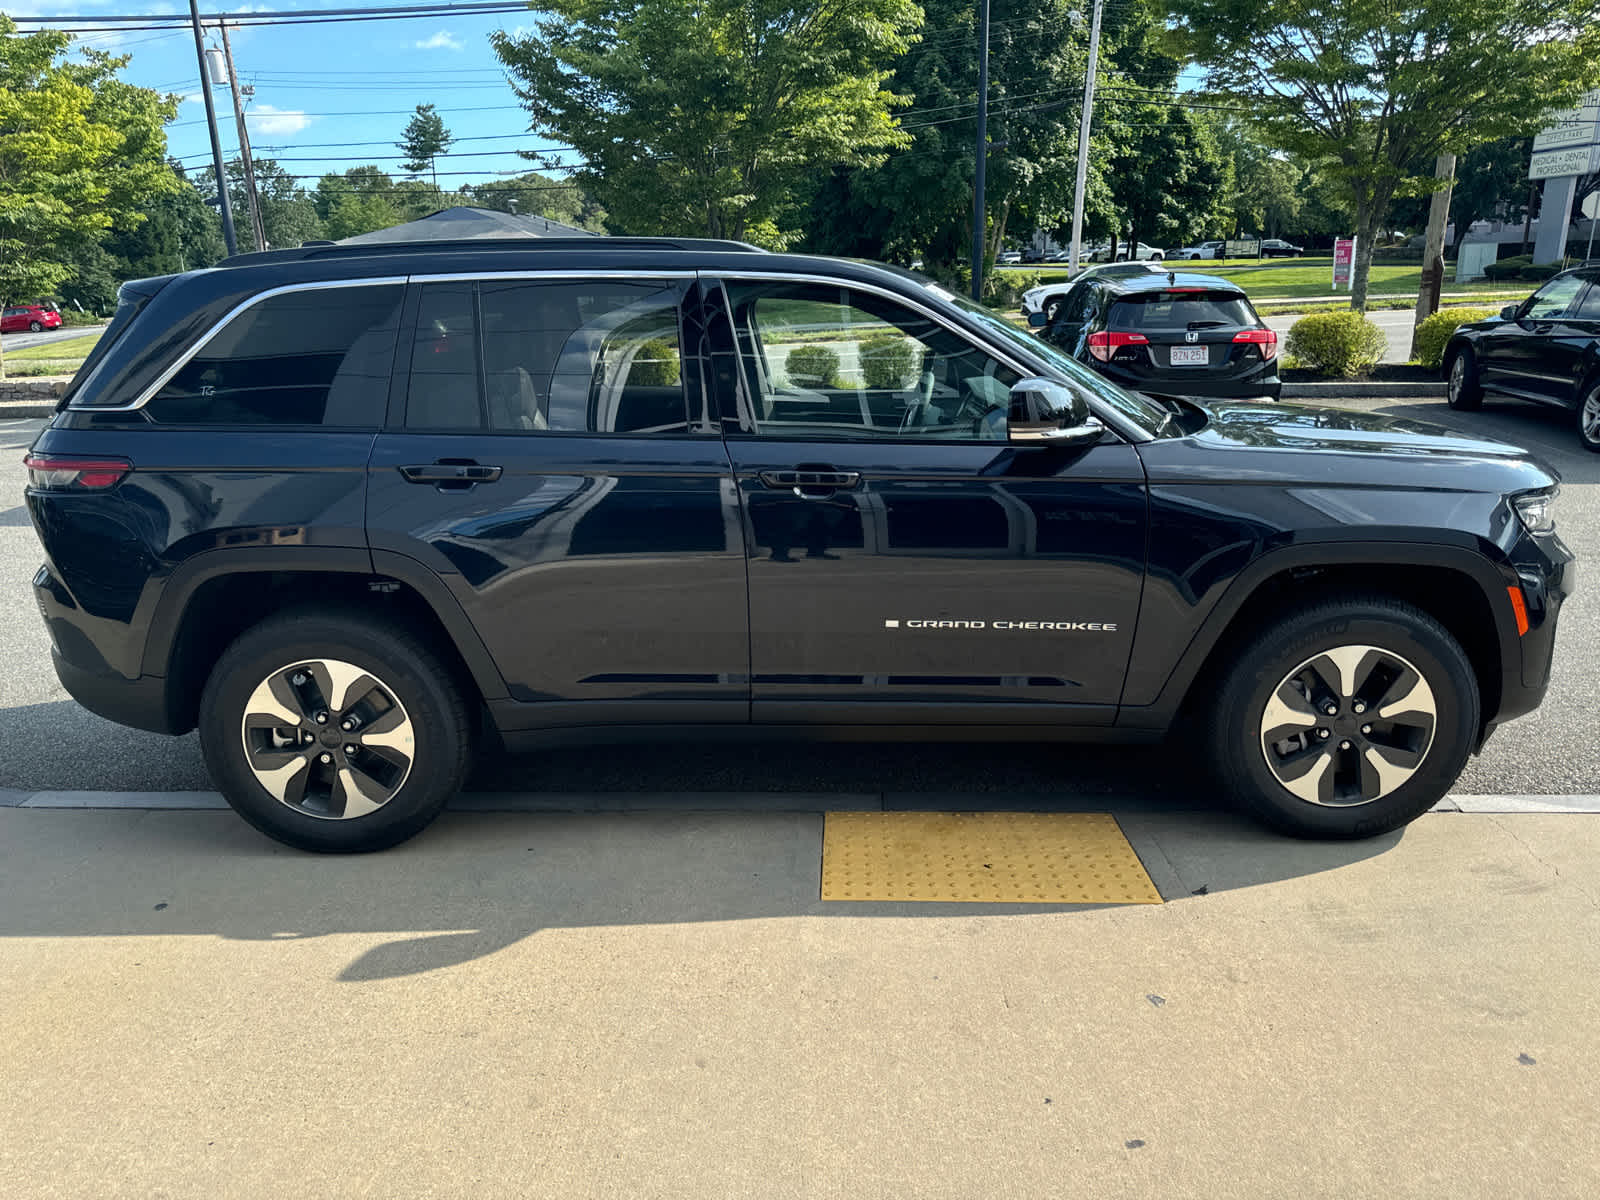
(272, 16)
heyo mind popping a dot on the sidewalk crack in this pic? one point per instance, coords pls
(1594, 901)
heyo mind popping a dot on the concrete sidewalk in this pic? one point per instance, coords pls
(657, 1004)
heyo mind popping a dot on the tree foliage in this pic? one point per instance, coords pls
(712, 116)
(424, 139)
(288, 213)
(541, 195)
(1369, 89)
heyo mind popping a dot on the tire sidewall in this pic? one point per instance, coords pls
(1591, 391)
(1244, 699)
(437, 763)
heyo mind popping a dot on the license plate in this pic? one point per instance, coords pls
(1190, 356)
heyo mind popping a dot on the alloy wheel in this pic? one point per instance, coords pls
(327, 739)
(1590, 418)
(1348, 726)
(1458, 377)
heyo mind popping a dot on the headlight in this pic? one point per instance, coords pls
(1537, 510)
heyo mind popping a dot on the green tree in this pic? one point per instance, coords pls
(1267, 195)
(1166, 174)
(424, 139)
(1368, 89)
(712, 116)
(361, 200)
(288, 213)
(81, 152)
(541, 195)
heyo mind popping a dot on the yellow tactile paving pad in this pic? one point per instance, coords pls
(984, 858)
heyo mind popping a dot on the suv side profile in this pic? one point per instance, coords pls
(361, 514)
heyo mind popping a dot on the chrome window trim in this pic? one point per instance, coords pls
(1119, 424)
(478, 276)
(223, 322)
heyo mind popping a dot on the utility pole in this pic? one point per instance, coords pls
(211, 124)
(1433, 245)
(978, 227)
(1083, 138)
(254, 199)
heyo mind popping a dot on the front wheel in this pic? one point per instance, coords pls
(1346, 719)
(1589, 417)
(333, 733)
(35, 327)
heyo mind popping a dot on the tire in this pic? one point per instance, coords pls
(35, 327)
(1462, 390)
(1157, 256)
(1589, 415)
(1382, 651)
(294, 666)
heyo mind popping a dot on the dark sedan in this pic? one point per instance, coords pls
(1169, 332)
(1546, 349)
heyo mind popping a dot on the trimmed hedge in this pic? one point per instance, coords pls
(1538, 274)
(1345, 344)
(814, 367)
(655, 365)
(889, 361)
(1507, 268)
(1435, 332)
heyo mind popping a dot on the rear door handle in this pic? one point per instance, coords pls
(462, 474)
(819, 482)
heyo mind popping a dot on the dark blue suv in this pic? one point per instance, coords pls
(361, 514)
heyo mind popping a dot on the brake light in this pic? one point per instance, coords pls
(1267, 339)
(58, 473)
(1104, 345)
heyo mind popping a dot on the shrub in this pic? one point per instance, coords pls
(1507, 268)
(889, 361)
(814, 367)
(1538, 274)
(1337, 343)
(655, 365)
(1003, 289)
(1434, 333)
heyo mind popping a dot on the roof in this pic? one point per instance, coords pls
(463, 224)
(1172, 279)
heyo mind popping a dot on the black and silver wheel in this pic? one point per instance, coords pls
(1589, 417)
(1461, 388)
(334, 734)
(35, 327)
(1345, 720)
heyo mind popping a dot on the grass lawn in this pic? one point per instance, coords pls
(53, 358)
(1313, 277)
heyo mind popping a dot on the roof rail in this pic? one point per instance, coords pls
(498, 245)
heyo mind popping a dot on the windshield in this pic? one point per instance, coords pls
(1146, 414)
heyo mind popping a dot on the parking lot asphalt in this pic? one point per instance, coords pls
(48, 742)
(645, 1005)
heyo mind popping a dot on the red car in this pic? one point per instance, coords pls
(29, 318)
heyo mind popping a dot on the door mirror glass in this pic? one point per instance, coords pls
(1044, 410)
(1038, 320)
(1508, 313)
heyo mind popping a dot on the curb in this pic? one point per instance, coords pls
(1344, 391)
(26, 408)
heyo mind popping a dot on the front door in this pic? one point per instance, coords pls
(554, 463)
(907, 563)
(1525, 355)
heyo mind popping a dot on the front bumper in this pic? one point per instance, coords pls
(1546, 571)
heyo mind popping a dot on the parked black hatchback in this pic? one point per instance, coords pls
(1546, 349)
(363, 515)
(1175, 333)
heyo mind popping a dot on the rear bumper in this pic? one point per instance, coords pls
(140, 703)
(1261, 381)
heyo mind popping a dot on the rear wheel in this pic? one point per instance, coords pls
(1346, 719)
(1462, 390)
(1589, 417)
(333, 733)
(35, 327)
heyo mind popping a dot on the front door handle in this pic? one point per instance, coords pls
(451, 474)
(810, 484)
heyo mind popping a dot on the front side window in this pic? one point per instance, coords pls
(1554, 300)
(1589, 306)
(831, 361)
(526, 356)
(317, 356)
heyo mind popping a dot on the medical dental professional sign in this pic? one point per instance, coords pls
(1570, 145)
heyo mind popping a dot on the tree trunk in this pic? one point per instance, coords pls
(1000, 230)
(1370, 212)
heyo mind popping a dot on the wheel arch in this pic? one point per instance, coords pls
(217, 601)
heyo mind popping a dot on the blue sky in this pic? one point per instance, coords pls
(354, 82)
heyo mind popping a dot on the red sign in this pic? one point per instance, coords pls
(1344, 262)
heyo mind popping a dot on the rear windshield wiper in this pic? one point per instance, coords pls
(1206, 324)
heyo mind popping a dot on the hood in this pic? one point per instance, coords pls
(1282, 443)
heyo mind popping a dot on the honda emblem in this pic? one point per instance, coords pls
(1191, 336)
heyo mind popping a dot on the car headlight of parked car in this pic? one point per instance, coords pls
(1536, 509)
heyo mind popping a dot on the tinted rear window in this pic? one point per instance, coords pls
(1180, 311)
(320, 356)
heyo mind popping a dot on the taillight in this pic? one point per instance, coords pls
(1267, 339)
(1105, 345)
(59, 473)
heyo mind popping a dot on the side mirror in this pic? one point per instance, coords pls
(1509, 312)
(1043, 410)
(1038, 320)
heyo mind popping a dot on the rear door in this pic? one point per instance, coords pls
(1187, 332)
(553, 461)
(907, 562)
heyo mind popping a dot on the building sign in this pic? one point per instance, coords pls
(1344, 263)
(1242, 248)
(1554, 164)
(1572, 126)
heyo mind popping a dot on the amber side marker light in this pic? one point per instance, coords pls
(1520, 608)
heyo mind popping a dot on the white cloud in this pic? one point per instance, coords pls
(443, 40)
(264, 118)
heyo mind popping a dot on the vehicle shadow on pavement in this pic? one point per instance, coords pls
(477, 883)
